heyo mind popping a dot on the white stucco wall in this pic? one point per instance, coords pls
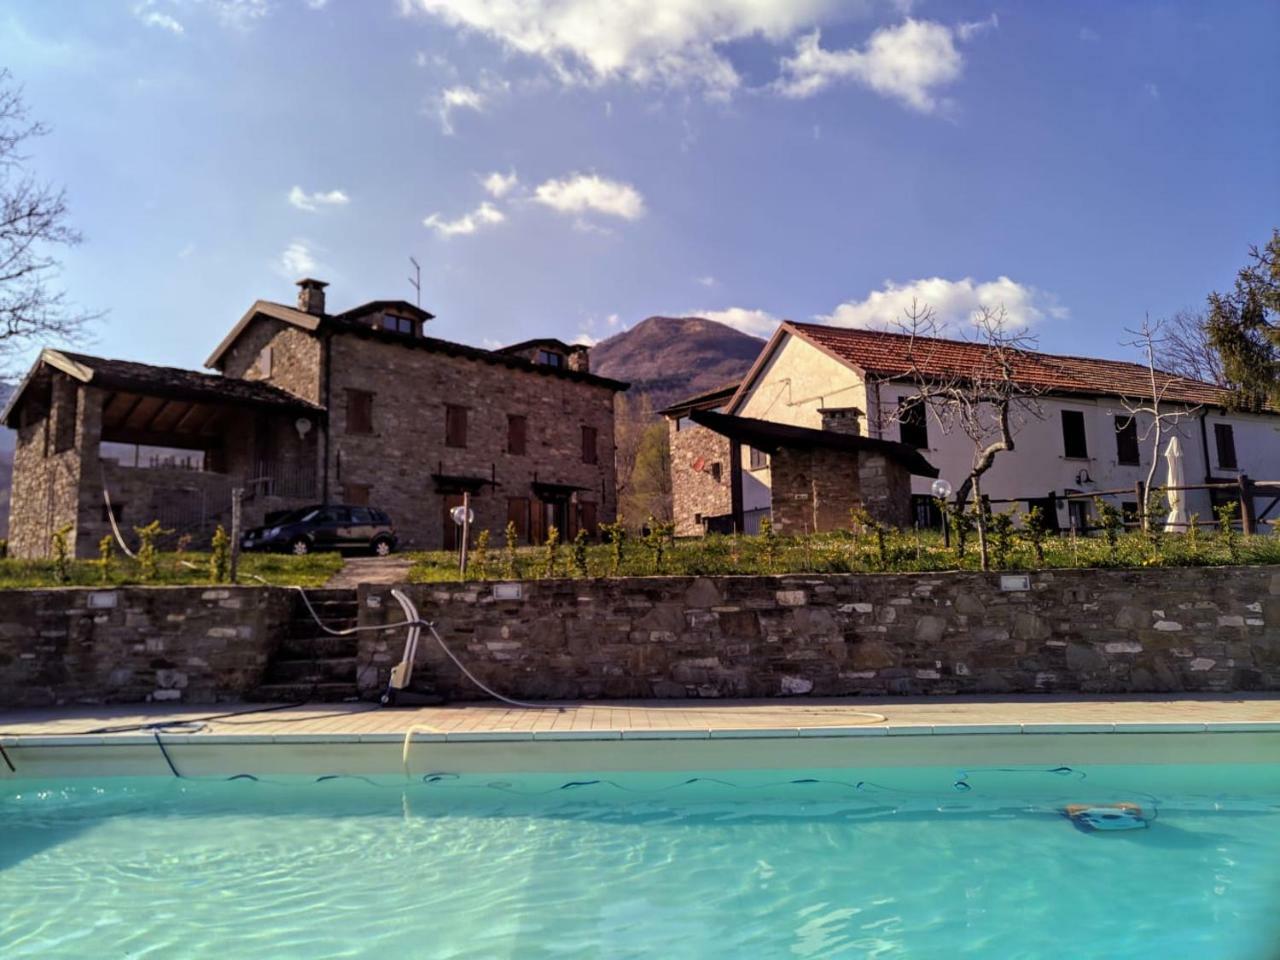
(800, 380)
(794, 386)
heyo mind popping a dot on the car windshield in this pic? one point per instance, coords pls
(296, 516)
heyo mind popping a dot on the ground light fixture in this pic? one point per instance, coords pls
(942, 489)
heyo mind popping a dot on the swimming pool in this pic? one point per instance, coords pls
(844, 861)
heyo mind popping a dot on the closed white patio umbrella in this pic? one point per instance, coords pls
(1176, 522)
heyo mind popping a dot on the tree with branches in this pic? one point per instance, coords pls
(33, 226)
(985, 399)
(1185, 349)
(1244, 326)
(1151, 339)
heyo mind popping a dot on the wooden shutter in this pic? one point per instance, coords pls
(455, 425)
(518, 513)
(589, 523)
(359, 411)
(1127, 440)
(517, 428)
(356, 494)
(589, 451)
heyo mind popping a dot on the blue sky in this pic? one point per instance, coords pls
(1079, 163)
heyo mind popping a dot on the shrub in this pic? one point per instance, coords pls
(148, 555)
(220, 556)
(1227, 531)
(962, 524)
(1111, 521)
(657, 535)
(1035, 530)
(551, 551)
(510, 568)
(770, 549)
(580, 554)
(617, 535)
(61, 555)
(106, 553)
(1000, 526)
(478, 558)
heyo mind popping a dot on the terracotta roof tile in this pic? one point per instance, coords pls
(888, 354)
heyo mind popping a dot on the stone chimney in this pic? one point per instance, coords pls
(311, 296)
(842, 420)
(580, 359)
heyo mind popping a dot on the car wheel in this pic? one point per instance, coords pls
(382, 548)
(300, 547)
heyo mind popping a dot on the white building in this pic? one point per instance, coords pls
(1079, 439)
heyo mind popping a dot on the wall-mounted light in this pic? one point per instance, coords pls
(1083, 477)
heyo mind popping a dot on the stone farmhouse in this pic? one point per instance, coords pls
(1078, 437)
(360, 407)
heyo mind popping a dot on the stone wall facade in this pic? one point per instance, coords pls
(400, 463)
(696, 489)
(188, 644)
(1071, 631)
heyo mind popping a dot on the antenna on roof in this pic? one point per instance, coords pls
(416, 282)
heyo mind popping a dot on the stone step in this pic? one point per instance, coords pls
(306, 646)
(303, 692)
(309, 670)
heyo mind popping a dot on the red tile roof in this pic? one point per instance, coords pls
(888, 355)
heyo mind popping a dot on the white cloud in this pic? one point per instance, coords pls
(498, 185)
(311, 202)
(484, 215)
(759, 323)
(954, 302)
(669, 42)
(908, 62)
(707, 281)
(239, 13)
(1088, 35)
(586, 192)
(459, 98)
(585, 339)
(297, 260)
(1151, 90)
(157, 18)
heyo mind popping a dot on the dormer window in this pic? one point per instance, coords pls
(550, 359)
(398, 324)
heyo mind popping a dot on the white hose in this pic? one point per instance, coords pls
(111, 515)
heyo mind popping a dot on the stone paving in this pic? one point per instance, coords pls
(1099, 713)
(380, 570)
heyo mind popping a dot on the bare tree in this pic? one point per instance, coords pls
(983, 394)
(1184, 349)
(33, 225)
(1152, 339)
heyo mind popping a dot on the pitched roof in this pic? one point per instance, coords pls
(890, 355)
(172, 382)
(702, 401)
(768, 436)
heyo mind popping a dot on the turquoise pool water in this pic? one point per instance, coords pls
(835, 863)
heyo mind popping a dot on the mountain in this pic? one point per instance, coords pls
(669, 358)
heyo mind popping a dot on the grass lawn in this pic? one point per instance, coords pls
(175, 569)
(843, 552)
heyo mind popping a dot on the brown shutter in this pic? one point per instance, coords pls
(516, 434)
(356, 494)
(359, 411)
(518, 513)
(589, 518)
(455, 426)
(589, 445)
(537, 521)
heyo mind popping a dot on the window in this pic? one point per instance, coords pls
(1074, 446)
(397, 324)
(715, 472)
(359, 411)
(1225, 436)
(1127, 440)
(757, 459)
(589, 451)
(550, 359)
(362, 515)
(517, 432)
(913, 422)
(356, 493)
(455, 425)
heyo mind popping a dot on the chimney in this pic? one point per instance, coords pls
(311, 296)
(580, 359)
(842, 420)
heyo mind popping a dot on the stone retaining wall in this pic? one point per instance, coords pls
(193, 644)
(1090, 631)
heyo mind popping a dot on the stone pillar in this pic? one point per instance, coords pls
(847, 420)
(886, 488)
(579, 359)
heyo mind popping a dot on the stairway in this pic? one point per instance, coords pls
(310, 664)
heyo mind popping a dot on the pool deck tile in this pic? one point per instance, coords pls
(80, 725)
